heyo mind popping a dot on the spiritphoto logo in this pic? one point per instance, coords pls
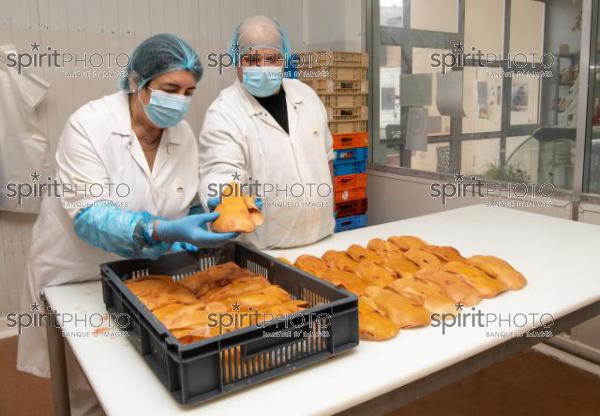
(522, 194)
(78, 324)
(276, 195)
(86, 64)
(458, 58)
(296, 325)
(500, 324)
(53, 188)
(232, 58)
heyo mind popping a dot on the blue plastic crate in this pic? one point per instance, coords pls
(350, 223)
(353, 154)
(349, 168)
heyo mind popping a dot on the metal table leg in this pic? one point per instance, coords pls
(58, 366)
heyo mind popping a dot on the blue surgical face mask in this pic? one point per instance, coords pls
(262, 81)
(166, 109)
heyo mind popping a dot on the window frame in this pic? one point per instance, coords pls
(407, 39)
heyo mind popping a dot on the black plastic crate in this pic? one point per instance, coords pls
(206, 369)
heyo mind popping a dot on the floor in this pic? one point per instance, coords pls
(528, 384)
(21, 393)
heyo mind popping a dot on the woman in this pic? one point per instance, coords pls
(128, 166)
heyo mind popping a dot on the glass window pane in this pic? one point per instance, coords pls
(437, 124)
(538, 99)
(389, 91)
(522, 159)
(387, 154)
(526, 29)
(437, 15)
(391, 13)
(484, 26)
(566, 90)
(593, 168)
(543, 160)
(525, 100)
(480, 157)
(435, 159)
(482, 99)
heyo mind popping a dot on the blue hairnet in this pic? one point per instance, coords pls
(157, 55)
(259, 32)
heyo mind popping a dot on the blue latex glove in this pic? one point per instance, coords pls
(180, 246)
(190, 248)
(213, 202)
(196, 209)
(259, 203)
(117, 230)
(190, 230)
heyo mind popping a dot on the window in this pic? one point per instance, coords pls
(390, 13)
(592, 165)
(486, 88)
(438, 15)
(482, 99)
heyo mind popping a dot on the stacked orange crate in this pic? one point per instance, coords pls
(350, 181)
(340, 80)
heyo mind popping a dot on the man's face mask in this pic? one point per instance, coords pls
(166, 109)
(262, 81)
(262, 72)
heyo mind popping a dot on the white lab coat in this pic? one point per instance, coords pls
(240, 137)
(23, 147)
(98, 146)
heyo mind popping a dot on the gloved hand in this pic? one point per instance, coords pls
(213, 202)
(181, 246)
(189, 230)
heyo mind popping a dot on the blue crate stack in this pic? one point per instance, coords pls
(340, 80)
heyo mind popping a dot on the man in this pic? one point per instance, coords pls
(272, 133)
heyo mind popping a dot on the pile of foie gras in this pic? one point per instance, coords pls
(402, 281)
(191, 308)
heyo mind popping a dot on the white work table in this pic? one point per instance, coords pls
(559, 258)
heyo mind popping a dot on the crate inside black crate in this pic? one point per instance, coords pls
(210, 368)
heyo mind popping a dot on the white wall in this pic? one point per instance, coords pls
(408, 196)
(115, 26)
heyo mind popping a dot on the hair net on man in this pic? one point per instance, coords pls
(157, 55)
(258, 32)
